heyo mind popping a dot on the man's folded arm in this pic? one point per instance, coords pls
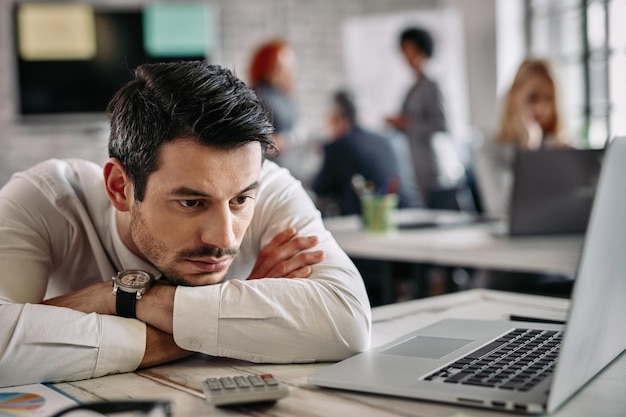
(324, 317)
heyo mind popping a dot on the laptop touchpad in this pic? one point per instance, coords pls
(427, 347)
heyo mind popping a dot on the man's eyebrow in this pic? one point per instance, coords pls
(190, 192)
(250, 187)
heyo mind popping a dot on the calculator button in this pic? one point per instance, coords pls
(214, 384)
(269, 379)
(228, 383)
(243, 389)
(256, 381)
(242, 382)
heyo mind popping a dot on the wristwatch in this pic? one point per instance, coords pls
(128, 287)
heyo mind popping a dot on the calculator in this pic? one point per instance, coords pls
(241, 389)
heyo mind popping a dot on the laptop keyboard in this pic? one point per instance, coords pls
(519, 360)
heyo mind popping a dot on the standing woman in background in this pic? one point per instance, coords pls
(529, 120)
(272, 73)
(422, 111)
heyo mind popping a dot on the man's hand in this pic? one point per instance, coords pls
(161, 348)
(96, 298)
(285, 257)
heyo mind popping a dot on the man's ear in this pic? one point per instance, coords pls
(117, 185)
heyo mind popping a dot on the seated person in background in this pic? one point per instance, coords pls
(529, 120)
(422, 113)
(355, 150)
(186, 203)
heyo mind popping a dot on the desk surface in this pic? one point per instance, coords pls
(467, 245)
(180, 382)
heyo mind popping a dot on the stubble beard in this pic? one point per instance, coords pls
(155, 250)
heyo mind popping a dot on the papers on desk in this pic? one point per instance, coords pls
(32, 401)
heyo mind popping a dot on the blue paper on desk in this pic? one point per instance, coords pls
(32, 400)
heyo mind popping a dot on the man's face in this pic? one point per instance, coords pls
(197, 208)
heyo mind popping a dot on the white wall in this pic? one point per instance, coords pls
(479, 18)
(510, 46)
(377, 71)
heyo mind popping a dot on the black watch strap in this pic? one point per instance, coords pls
(125, 304)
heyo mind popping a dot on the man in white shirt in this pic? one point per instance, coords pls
(235, 257)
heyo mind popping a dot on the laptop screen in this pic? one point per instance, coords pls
(553, 191)
(596, 329)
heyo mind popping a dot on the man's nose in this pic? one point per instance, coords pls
(217, 228)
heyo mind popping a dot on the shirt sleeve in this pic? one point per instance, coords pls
(324, 317)
(40, 343)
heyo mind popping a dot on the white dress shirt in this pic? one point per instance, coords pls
(58, 234)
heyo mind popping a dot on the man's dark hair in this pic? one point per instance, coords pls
(185, 99)
(346, 105)
(420, 38)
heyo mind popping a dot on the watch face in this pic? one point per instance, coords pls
(134, 279)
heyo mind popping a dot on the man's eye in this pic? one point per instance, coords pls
(241, 200)
(189, 203)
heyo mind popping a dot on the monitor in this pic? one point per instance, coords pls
(71, 57)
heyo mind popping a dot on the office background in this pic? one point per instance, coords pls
(584, 37)
(313, 28)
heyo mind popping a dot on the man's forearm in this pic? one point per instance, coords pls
(286, 255)
(284, 321)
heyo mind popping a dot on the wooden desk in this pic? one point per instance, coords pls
(180, 382)
(469, 245)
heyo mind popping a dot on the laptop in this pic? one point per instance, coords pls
(553, 191)
(515, 366)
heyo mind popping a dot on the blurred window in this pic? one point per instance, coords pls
(587, 41)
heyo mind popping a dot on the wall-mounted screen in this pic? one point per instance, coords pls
(70, 58)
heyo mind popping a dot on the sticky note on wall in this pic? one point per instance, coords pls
(57, 31)
(177, 30)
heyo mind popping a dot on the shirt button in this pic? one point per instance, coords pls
(195, 344)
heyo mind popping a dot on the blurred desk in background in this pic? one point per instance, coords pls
(457, 241)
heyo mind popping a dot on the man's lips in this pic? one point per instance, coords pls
(210, 265)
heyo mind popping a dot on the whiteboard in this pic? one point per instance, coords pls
(380, 78)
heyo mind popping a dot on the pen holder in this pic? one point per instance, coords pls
(377, 212)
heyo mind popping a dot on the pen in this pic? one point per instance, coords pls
(514, 317)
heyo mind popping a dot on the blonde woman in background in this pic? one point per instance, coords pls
(530, 120)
